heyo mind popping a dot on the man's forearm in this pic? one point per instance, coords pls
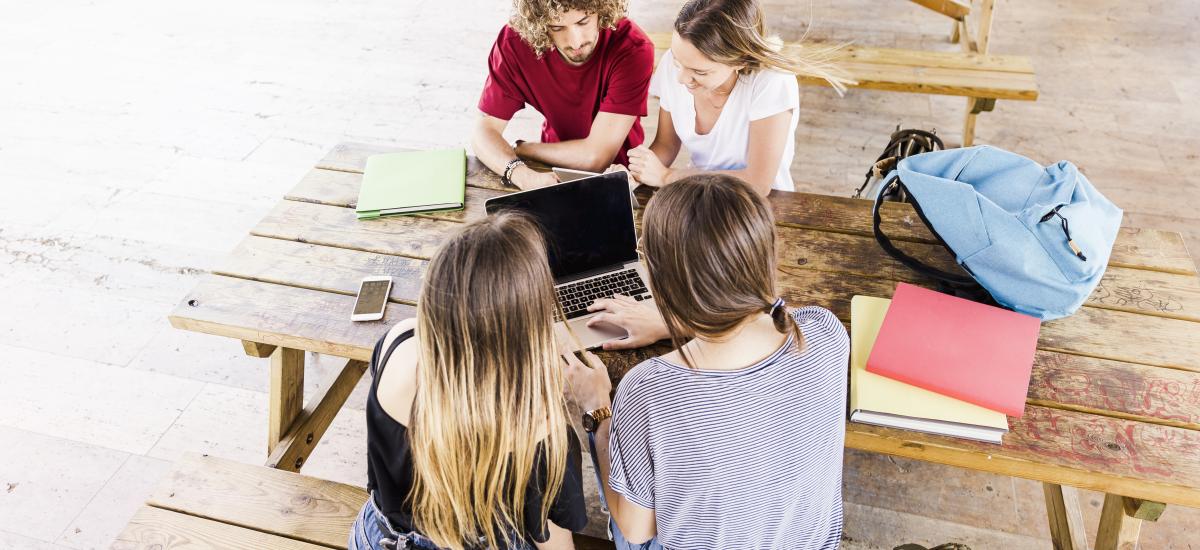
(491, 149)
(577, 153)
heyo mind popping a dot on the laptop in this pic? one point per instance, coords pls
(567, 174)
(592, 245)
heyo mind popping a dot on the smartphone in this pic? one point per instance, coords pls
(372, 298)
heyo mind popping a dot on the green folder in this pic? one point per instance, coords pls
(413, 182)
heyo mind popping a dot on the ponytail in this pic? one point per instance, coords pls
(784, 322)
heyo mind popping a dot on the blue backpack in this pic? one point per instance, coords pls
(1037, 239)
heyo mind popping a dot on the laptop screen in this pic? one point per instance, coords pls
(588, 223)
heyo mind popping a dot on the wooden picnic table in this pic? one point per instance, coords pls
(1114, 400)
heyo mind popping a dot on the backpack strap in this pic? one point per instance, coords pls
(901, 145)
(952, 279)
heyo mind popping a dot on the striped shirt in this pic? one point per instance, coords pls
(750, 458)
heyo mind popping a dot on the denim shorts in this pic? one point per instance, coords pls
(622, 544)
(373, 531)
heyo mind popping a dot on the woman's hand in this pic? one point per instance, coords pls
(646, 168)
(588, 384)
(641, 320)
(633, 182)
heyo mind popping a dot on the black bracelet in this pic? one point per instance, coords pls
(506, 177)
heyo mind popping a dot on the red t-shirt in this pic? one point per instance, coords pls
(614, 80)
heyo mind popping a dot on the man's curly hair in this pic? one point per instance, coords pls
(531, 18)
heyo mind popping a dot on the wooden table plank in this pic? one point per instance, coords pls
(318, 267)
(1112, 388)
(1123, 289)
(335, 226)
(1135, 248)
(1093, 332)
(336, 188)
(1125, 336)
(1063, 447)
(299, 318)
(263, 499)
(158, 529)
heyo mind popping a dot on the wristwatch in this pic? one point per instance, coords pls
(592, 419)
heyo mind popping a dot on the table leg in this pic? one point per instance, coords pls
(1067, 530)
(1117, 530)
(306, 431)
(287, 393)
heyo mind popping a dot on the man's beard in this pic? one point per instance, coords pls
(580, 58)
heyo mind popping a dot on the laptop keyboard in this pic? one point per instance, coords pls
(576, 297)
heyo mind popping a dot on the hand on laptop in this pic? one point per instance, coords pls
(640, 319)
(527, 178)
(633, 182)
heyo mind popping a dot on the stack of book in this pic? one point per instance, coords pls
(935, 363)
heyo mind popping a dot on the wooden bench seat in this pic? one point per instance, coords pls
(212, 502)
(208, 502)
(954, 9)
(980, 77)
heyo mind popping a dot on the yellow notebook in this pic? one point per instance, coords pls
(879, 400)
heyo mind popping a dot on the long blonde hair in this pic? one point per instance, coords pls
(734, 32)
(709, 245)
(489, 383)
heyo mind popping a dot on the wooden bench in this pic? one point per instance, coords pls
(208, 502)
(972, 73)
(954, 9)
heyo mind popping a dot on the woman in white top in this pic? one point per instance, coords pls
(727, 93)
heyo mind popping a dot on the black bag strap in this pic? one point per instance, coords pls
(951, 279)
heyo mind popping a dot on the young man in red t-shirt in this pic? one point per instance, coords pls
(585, 67)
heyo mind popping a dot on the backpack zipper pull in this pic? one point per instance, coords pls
(1066, 231)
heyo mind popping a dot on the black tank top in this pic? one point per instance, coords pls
(390, 468)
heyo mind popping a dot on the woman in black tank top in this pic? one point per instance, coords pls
(468, 442)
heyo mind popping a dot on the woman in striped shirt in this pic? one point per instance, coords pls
(733, 440)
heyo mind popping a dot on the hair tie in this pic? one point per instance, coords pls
(776, 305)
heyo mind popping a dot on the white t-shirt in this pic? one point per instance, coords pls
(755, 96)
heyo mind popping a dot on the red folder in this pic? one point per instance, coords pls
(966, 350)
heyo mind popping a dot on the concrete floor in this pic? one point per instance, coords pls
(140, 141)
